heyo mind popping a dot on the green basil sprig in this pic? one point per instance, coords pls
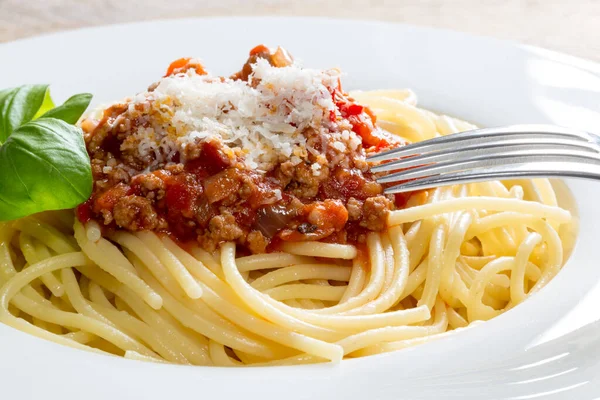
(44, 164)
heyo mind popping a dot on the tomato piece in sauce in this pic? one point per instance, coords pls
(344, 184)
(183, 64)
(401, 199)
(180, 204)
(362, 120)
(108, 199)
(363, 126)
(261, 48)
(210, 162)
(222, 185)
(84, 211)
(181, 193)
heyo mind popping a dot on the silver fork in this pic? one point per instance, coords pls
(518, 151)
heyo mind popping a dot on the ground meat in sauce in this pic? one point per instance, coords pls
(354, 207)
(135, 213)
(374, 213)
(212, 198)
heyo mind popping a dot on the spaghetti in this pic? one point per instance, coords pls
(451, 257)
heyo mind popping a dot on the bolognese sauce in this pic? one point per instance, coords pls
(272, 153)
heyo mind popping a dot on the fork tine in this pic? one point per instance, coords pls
(517, 147)
(480, 136)
(491, 160)
(514, 171)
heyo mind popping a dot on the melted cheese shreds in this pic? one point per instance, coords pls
(262, 119)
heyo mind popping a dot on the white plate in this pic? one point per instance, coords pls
(486, 81)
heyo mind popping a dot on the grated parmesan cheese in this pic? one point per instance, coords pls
(262, 119)
(339, 146)
(316, 169)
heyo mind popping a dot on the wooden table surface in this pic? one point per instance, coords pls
(569, 26)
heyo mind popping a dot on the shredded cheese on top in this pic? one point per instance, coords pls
(262, 119)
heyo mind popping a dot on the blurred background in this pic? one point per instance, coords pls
(569, 26)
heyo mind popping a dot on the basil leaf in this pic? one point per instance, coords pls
(18, 106)
(3, 96)
(47, 104)
(44, 166)
(72, 109)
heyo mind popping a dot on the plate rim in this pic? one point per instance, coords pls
(574, 59)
